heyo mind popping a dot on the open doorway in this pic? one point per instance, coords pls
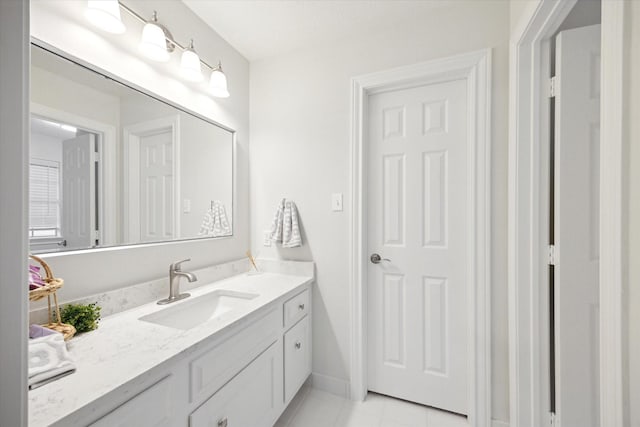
(64, 186)
(574, 200)
(547, 315)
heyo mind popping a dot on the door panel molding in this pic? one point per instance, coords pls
(131, 203)
(475, 69)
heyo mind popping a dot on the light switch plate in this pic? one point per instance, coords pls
(186, 206)
(267, 237)
(336, 202)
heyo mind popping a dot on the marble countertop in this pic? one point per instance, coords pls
(125, 348)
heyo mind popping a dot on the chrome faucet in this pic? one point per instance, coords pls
(174, 282)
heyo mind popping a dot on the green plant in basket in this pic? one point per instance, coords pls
(83, 317)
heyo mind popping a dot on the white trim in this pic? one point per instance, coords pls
(14, 184)
(475, 68)
(611, 212)
(528, 223)
(329, 384)
(131, 203)
(108, 166)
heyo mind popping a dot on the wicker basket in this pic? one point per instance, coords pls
(49, 290)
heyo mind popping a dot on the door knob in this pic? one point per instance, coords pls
(375, 258)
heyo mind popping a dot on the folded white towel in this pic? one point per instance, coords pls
(285, 227)
(215, 222)
(48, 360)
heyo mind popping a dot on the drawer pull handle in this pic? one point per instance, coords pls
(222, 422)
(301, 307)
(298, 345)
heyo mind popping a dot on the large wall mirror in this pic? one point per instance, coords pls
(111, 165)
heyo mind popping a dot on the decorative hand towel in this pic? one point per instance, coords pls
(48, 360)
(276, 225)
(285, 227)
(215, 222)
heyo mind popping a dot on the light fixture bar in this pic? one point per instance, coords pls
(170, 39)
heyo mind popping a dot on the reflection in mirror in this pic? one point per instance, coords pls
(110, 165)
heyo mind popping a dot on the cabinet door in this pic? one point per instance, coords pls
(152, 407)
(297, 357)
(252, 398)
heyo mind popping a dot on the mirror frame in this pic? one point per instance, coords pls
(119, 80)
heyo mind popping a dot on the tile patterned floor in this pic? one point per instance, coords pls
(315, 408)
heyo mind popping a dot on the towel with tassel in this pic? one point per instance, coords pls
(48, 360)
(215, 222)
(285, 227)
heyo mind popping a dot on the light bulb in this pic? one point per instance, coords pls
(190, 67)
(153, 43)
(105, 14)
(218, 83)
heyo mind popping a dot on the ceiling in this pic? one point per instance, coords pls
(263, 28)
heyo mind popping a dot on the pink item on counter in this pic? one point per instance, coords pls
(35, 280)
(37, 331)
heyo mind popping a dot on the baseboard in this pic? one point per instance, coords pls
(330, 385)
(496, 423)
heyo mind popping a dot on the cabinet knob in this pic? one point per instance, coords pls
(301, 307)
(298, 345)
(222, 422)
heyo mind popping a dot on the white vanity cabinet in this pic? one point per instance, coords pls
(258, 394)
(241, 375)
(253, 398)
(151, 407)
(297, 357)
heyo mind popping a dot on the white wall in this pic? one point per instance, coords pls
(45, 147)
(61, 23)
(300, 129)
(520, 10)
(632, 172)
(14, 154)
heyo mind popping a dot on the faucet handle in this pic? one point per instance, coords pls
(176, 265)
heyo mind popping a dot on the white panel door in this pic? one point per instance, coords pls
(417, 218)
(577, 152)
(156, 186)
(78, 191)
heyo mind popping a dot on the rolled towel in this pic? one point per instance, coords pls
(48, 360)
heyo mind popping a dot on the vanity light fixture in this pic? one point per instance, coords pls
(105, 14)
(218, 82)
(154, 44)
(190, 64)
(157, 43)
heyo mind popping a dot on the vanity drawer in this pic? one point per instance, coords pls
(252, 399)
(152, 407)
(213, 369)
(296, 308)
(297, 358)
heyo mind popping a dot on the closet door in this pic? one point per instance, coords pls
(577, 157)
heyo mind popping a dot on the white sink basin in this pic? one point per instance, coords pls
(198, 310)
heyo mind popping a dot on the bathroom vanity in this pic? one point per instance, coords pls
(233, 354)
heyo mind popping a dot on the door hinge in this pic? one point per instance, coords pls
(96, 156)
(552, 255)
(552, 87)
(552, 419)
(96, 235)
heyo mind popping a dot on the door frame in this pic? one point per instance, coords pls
(529, 223)
(475, 68)
(107, 165)
(131, 149)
